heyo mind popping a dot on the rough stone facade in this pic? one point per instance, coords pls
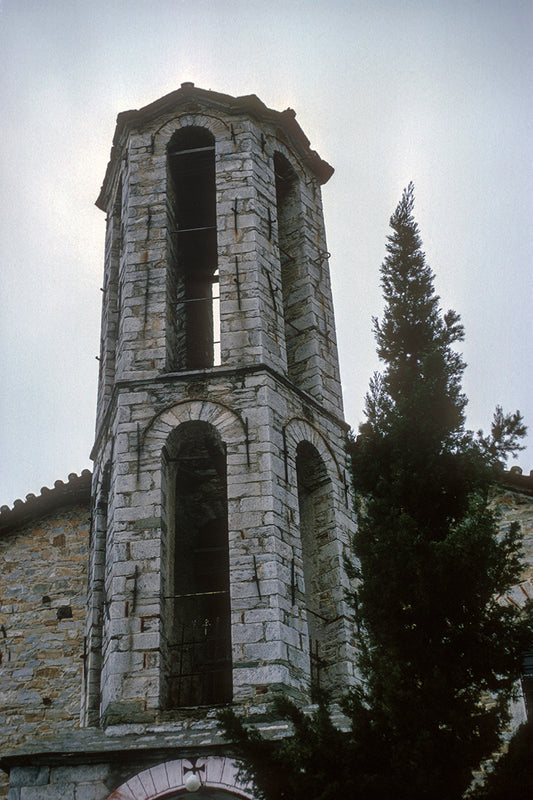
(43, 578)
(514, 499)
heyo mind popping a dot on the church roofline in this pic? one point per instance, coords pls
(515, 480)
(76, 492)
(249, 104)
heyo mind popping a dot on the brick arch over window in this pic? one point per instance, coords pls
(167, 779)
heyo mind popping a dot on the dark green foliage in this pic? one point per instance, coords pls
(434, 643)
(316, 761)
(434, 640)
(512, 778)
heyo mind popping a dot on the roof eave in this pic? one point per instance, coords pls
(76, 492)
(249, 104)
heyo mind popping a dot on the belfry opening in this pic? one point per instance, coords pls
(193, 275)
(316, 532)
(198, 602)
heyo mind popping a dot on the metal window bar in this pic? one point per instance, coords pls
(196, 300)
(316, 662)
(200, 656)
(193, 230)
(192, 150)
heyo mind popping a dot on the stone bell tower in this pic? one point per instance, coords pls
(220, 490)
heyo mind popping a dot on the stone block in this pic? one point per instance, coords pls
(29, 776)
(91, 791)
(265, 652)
(81, 773)
(246, 633)
(56, 792)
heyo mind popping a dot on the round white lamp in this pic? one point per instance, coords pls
(192, 782)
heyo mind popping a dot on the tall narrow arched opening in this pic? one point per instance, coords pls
(289, 233)
(193, 313)
(198, 603)
(317, 534)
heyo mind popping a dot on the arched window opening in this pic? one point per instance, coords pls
(316, 531)
(289, 233)
(199, 655)
(194, 332)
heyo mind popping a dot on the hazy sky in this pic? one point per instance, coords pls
(387, 91)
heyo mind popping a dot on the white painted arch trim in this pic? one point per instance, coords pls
(216, 772)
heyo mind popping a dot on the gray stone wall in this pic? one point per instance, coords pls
(252, 314)
(263, 523)
(514, 501)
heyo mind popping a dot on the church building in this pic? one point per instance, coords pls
(201, 563)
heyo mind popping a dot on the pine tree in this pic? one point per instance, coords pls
(438, 654)
(435, 643)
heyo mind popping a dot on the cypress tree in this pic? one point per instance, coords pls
(439, 654)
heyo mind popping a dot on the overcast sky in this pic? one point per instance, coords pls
(387, 91)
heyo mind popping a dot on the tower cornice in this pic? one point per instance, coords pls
(247, 104)
(212, 374)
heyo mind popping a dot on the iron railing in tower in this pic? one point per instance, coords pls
(200, 655)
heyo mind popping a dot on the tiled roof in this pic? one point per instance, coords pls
(515, 479)
(76, 492)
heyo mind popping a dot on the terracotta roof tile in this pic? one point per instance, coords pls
(76, 491)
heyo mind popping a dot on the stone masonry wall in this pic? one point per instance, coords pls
(263, 524)
(517, 506)
(42, 613)
(260, 411)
